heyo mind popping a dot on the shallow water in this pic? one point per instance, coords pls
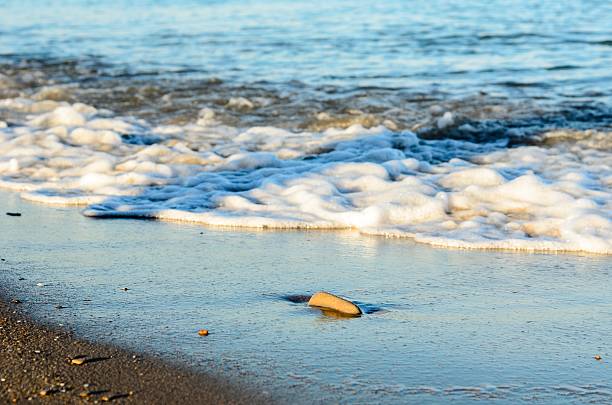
(446, 326)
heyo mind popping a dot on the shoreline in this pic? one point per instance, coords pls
(35, 366)
(547, 248)
(147, 287)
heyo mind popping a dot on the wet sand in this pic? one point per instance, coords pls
(35, 365)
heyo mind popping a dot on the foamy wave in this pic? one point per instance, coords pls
(444, 193)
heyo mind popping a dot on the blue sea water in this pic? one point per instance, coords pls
(547, 49)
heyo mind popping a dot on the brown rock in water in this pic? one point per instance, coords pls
(329, 301)
(203, 332)
(597, 357)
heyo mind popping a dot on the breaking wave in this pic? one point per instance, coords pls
(551, 195)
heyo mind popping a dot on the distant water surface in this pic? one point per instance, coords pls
(547, 49)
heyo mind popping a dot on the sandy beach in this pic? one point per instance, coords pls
(35, 365)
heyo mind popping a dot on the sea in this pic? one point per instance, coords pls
(445, 164)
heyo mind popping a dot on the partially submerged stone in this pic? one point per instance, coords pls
(332, 302)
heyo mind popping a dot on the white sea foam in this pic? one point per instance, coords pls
(444, 193)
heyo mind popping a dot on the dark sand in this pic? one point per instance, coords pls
(35, 368)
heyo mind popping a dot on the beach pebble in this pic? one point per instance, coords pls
(329, 301)
(203, 332)
(77, 361)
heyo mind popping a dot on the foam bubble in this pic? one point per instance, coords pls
(61, 116)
